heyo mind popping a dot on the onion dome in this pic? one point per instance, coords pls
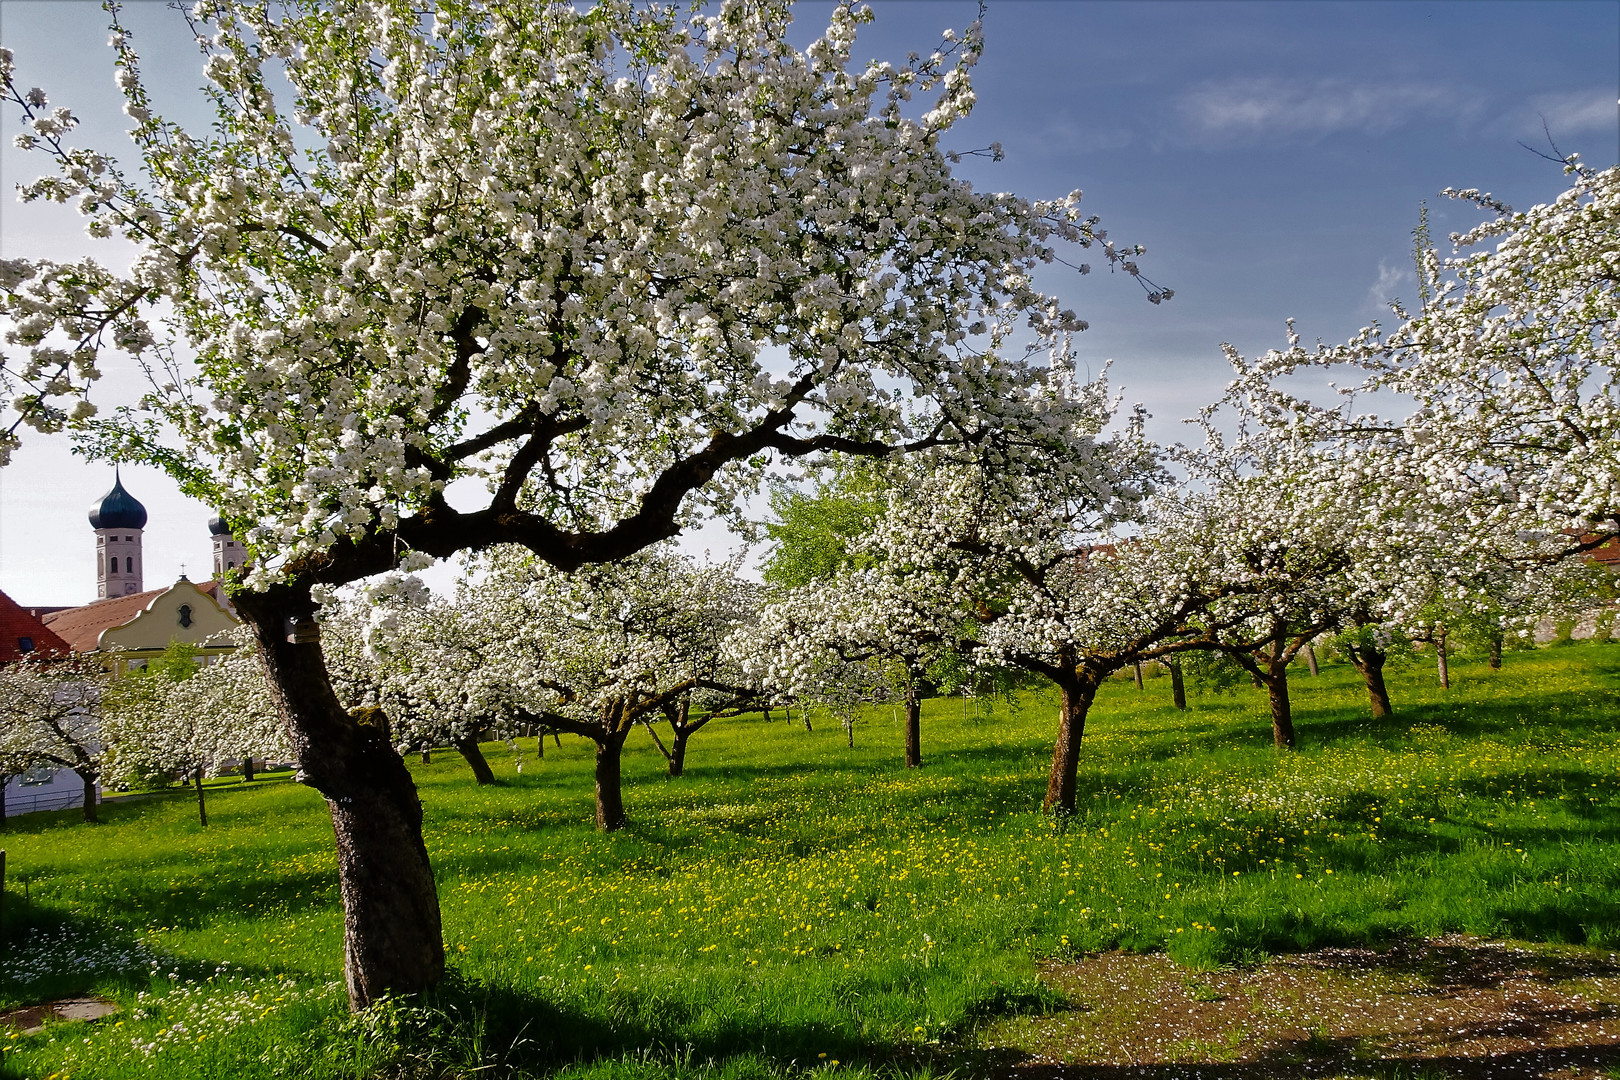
(217, 526)
(117, 509)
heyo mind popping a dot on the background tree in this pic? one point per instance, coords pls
(50, 717)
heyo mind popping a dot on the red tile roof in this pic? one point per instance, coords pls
(17, 625)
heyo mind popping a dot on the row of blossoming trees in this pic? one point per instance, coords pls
(608, 266)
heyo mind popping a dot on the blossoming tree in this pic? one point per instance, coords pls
(607, 648)
(50, 717)
(611, 262)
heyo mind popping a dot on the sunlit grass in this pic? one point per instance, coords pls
(790, 902)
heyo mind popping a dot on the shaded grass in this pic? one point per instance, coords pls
(790, 903)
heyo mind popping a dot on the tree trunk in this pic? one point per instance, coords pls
(677, 751)
(247, 769)
(1310, 660)
(1178, 685)
(89, 797)
(913, 729)
(849, 731)
(766, 712)
(804, 711)
(467, 747)
(425, 756)
(1442, 662)
(202, 807)
(392, 939)
(1079, 688)
(609, 784)
(1370, 662)
(1137, 667)
(1496, 651)
(1282, 713)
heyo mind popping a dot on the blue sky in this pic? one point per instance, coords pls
(1271, 156)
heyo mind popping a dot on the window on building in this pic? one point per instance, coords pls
(129, 564)
(25, 644)
(129, 538)
(230, 566)
(185, 615)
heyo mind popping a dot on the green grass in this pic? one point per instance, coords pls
(790, 903)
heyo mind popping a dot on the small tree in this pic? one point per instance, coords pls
(177, 717)
(50, 717)
(606, 648)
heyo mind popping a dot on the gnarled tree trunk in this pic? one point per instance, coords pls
(392, 939)
(1495, 660)
(1370, 662)
(467, 747)
(1282, 710)
(609, 782)
(1079, 688)
(1178, 685)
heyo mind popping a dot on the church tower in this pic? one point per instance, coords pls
(228, 553)
(118, 518)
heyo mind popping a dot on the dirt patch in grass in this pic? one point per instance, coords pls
(1450, 1007)
(33, 1018)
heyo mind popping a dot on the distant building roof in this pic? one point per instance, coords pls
(22, 633)
(117, 509)
(82, 627)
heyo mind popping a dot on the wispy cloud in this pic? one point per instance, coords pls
(1580, 113)
(1269, 106)
(1392, 278)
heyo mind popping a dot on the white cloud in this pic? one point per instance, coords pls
(1268, 106)
(1392, 279)
(1578, 113)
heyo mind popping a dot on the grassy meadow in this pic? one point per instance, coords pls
(791, 906)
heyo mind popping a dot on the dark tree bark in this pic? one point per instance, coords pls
(1370, 662)
(1495, 660)
(913, 729)
(1310, 660)
(89, 796)
(247, 769)
(1079, 688)
(1137, 668)
(609, 783)
(467, 747)
(202, 807)
(1282, 711)
(392, 939)
(425, 756)
(677, 751)
(1178, 685)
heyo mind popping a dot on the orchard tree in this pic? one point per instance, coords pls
(50, 718)
(606, 648)
(611, 262)
(400, 656)
(176, 717)
(1502, 377)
